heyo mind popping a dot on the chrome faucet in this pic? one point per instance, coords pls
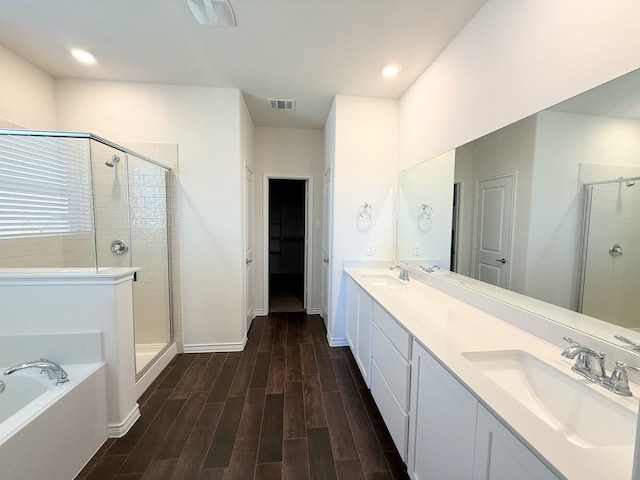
(404, 273)
(52, 369)
(619, 381)
(589, 363)
(431, 269)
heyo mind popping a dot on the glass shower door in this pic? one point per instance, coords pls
(612, 253)
(110, 198)
(150, 253)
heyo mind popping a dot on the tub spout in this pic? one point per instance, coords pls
(52, 369)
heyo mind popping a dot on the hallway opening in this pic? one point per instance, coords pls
(287, 244)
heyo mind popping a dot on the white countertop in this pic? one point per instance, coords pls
(446, 327)
(65, 276)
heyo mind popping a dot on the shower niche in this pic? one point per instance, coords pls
(77, 201)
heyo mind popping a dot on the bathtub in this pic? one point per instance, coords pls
(50, 431)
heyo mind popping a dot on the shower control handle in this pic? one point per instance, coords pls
(119, 247)
(615, 250)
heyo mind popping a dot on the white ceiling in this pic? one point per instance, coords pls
(306, 50)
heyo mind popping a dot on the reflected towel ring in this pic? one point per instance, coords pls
(365, 211)
(426, 212)
(363, 221)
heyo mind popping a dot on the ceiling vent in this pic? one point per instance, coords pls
(213, 12)
(281, 104)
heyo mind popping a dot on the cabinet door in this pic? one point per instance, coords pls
(359, 319)
(352, 314)
(442, 422)
(501, 456)
(365, 321)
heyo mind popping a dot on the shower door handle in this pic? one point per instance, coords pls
(119, 247)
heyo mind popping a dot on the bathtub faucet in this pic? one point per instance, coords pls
(52, 369)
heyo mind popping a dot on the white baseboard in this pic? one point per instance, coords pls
(150, 375)
(118, 430)
(261, 313)
(338, 342)
(215, 347)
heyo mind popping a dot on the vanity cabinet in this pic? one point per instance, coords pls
(391, 375)
(439, 427)
(442, 425)
(359, 322)
(501, 456)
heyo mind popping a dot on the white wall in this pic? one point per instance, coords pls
(289, 152)
(27, 96)
(511, 60)
(205, 123)
(364, 169)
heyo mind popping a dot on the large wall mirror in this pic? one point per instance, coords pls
(547, 208)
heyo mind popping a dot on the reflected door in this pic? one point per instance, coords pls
(492, 238)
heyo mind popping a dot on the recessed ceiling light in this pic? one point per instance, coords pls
(83, 56)
(391, 69)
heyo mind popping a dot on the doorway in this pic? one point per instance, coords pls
(287, 244)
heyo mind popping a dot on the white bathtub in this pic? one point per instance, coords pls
(50, 431)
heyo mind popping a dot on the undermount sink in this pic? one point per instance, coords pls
(584, 416)
(382, 279)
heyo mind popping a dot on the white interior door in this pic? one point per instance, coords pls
(492, 239)
(326, 235)
(249, 241)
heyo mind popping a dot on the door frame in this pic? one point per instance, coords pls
(308, 234)
(474, 233)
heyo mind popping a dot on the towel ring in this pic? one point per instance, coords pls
(426, 212)
(365, 211)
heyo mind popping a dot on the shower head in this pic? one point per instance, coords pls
(112, 161)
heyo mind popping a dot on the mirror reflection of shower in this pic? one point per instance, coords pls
(112, 161)
(607, 285)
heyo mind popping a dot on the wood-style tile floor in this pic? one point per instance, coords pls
(287, 407)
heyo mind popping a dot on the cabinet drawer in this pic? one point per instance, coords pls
(393, 367)
(394, 332)
(396, 420)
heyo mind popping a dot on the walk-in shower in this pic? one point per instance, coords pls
(608, 284)
(63, 205)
